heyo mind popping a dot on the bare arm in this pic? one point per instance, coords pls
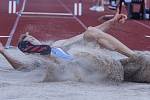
(14, 62)
(106, 25)
(118, 18)
(99, 35)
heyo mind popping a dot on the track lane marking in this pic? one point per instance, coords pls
(40, 16)
(11, 34)
(147, 26)
(77, 19)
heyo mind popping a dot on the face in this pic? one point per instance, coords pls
(31, 39)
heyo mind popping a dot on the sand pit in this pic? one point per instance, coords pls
(95, 77)
(29, 85)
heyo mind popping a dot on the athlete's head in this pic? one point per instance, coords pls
(29, 38)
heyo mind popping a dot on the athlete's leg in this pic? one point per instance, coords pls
(98, 34)
(106, 40)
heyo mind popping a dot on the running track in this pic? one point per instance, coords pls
(44, 28)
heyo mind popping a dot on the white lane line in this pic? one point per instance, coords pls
(55, 17)
(11, 34)
(43, 13)
(77, 19)
(147, 36)
(10, 7)
(81, 23)
(75, 9)
(14, 6)
(80, 9)
(23, 6)
(147, 26)
(4, 36)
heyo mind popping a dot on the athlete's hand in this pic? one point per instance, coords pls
(1, 48)
(120, 18)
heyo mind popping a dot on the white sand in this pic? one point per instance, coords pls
(17, 85)
(73, 91)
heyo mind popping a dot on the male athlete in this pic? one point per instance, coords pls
(96, 34)
(85, 61)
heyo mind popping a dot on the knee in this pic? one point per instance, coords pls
(89, 34)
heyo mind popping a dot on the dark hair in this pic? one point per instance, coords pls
(23, 37)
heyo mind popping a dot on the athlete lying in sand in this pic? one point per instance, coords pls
(90, 61)
(96, 33)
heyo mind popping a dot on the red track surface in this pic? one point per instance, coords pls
(44, 28)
